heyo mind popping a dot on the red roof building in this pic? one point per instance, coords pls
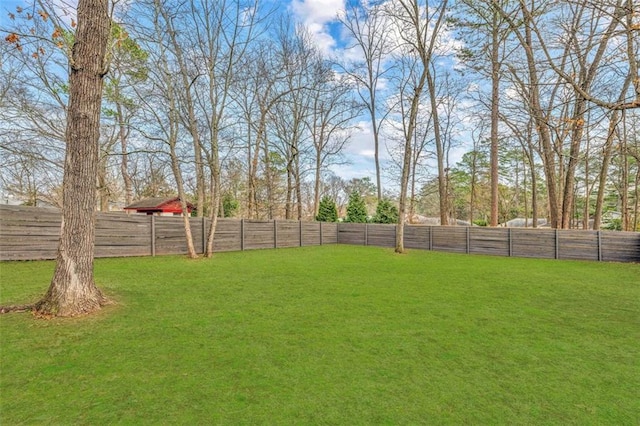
(159, 206)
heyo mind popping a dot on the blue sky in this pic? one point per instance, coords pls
(320, 18)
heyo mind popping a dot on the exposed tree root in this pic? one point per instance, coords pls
(15, 308)
(44, 310)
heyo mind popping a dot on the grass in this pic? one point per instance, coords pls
(329, 335)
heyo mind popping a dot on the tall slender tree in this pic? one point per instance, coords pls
(419, 27)
(485, 31)
(366, 24)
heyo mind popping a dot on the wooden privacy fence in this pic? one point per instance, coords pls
(28, 233)
(518, 242)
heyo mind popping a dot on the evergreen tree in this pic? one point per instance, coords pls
(356, 209)
(327, 210)
(229, 205)
(386, 212)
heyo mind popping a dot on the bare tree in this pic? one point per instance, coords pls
(223, 34)
(418, 27)
(366, 24)
(186, 78)
(35, 91)
(329, 124)
(290, 114)
(259, 88)
(160, 104)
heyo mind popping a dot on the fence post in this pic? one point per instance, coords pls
(241, 234)
(510, 242)
(153, 235)
(468, 240)
(599, 246)
(366, 234)
(275, 233)
(204, 235)
(557, 244)
(300, 232)
(430, 237)
(320, 233)
(395, 233)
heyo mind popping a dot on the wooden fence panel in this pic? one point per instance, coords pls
(228, 235)
(449, 239)
(381, 235)
(258, 234)
(417, 237)
(310, 234)
(170, 237)
(537, 243)
(29, 233)
(119, 235)
(581, 245)
(620, 246)
(490, 241)
(329, 233)
(288, 233)
(352, 233)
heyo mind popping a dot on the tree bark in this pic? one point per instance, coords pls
(443, 184)
(541, 124)
(192, 122)
(423, 42)
(72, 290)
(124, 162)
(607, 152)
(495, 101)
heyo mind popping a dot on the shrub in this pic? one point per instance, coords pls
(386, 212)
(613, 225)
(327, 210)
(229, 205)
(356, 209)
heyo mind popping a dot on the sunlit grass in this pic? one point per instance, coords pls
(329, 335)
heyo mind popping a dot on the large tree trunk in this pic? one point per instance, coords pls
(495, 101)
(72, 290)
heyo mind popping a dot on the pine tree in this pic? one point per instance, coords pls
(386, 212)
(327, 210)
(356, 209)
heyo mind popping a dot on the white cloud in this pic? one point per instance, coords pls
(316, 15)
(321, 11)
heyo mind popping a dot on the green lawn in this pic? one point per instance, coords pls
(329, 335)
